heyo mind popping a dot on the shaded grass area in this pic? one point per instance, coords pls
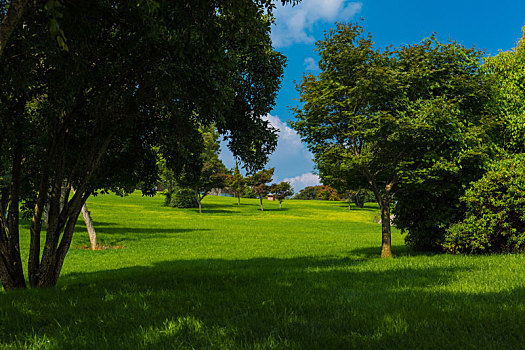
(305, 278)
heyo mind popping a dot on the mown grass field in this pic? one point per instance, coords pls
(305, 277)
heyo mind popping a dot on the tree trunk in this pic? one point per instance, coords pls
(10, 21)
(280, 205)
(90, 227)
(238, 199)
(384, 203)
(198, 197)
(349, 207)
(11, 271)
(386, 248)
(260, 198)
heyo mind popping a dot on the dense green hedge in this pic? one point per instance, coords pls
(495, 220)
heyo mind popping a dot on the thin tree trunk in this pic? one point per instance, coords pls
(260, 198)
(386, 235)
(198, 197)
(90, 227)
(10, 21)
(280, 205)
(349, 207)
(384, 204)
(238, 199)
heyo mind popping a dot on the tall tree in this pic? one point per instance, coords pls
(395, 115)
(138, 77)
(258, 183)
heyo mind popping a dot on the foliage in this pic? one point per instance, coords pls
(281, 191)
(204, 171)
(236, 183)
(399, 118)
(359, 197)
(138, 78)
(508, 69)
(179, 197)
(258, 183)
(319, 192)
(326, 193)
(495, 218)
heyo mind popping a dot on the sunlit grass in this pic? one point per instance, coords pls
(307, 276)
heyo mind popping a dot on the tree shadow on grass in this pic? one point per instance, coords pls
(302, 303)
(283, 209)
(114, 234)
(369, 206)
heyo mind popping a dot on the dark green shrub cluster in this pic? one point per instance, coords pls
(181, 198)
(495, 220)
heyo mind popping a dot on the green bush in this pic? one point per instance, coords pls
(181, 198)
(495, 220)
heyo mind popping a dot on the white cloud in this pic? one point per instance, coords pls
(301, 181)
(294, 24)
(289, 140)
(310, 64)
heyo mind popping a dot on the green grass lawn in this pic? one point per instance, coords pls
(306, 277)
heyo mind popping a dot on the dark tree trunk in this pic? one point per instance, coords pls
(62, 220)
(13, 235)
(261, 200)
(280, 205)
(11, 271)
(238, 199)
(384, 203)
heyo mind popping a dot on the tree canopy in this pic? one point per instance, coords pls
(397, 117)
(130, 80)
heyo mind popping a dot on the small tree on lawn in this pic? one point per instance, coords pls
(236, 183)
(258, 183)
(281, 191)
(206, 171)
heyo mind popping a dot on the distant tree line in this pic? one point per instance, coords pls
(188, 188)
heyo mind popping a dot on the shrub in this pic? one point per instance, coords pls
(181, 198)
(495, 220)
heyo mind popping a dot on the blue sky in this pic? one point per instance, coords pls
(487, 25)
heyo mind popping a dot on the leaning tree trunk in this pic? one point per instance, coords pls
(90, 227)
